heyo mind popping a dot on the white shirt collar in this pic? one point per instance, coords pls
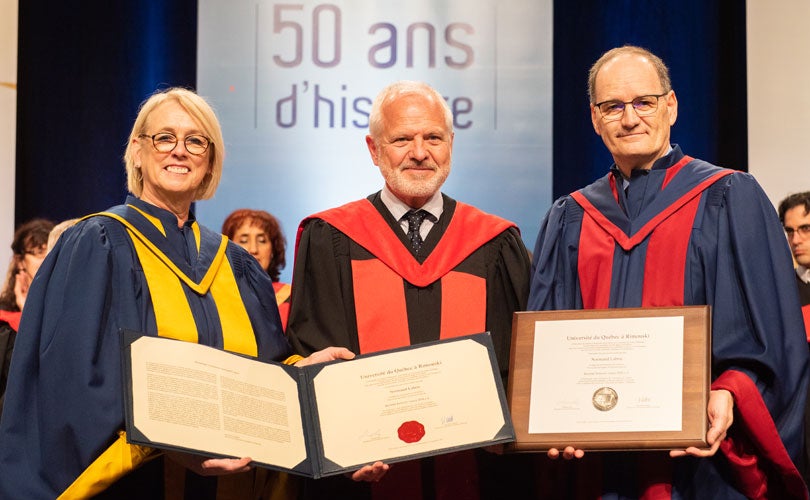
(434, 206)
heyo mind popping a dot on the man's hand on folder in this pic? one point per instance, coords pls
(207, 466)
(371, 473)
(324, 355)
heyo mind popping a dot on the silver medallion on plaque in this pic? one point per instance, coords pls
(605, 399)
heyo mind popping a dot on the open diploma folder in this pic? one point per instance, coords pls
(318, 420)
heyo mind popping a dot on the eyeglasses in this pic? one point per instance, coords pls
(165, 142)
(644, 105)
(803, 230)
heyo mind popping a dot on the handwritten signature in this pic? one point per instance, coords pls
(370, 435)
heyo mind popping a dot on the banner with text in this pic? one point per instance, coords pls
(293, 83)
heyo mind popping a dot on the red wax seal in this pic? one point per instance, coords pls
(411, 431)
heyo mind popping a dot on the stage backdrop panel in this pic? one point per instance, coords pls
(8, 122)
(293, 85)
(778, 72)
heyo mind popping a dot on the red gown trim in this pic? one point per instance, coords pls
(760, 439)
(382, 314)
(379, 303)
(665, 264)
(468, 230)
(628, 242)
(664, 274)
(12, 318)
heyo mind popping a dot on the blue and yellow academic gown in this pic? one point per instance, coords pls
(687, 233)
(131, 267)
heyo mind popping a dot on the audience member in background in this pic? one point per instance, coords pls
(260, 233)
(57, 231)
(664, 229)
(29, 250)
(408, 265)
(794, 212)
(141, 266)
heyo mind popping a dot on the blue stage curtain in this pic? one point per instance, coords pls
(83, 70)
(702, 42)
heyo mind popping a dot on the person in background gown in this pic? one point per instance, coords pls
(260, 233)
(794, 213)
(28, 251)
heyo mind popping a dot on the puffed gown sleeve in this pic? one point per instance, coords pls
(63, 406)
(759, 348)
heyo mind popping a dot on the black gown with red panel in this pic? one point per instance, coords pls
(687, 233)
(357, 283)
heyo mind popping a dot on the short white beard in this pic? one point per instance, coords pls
(416, 188)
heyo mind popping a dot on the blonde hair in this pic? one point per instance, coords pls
(201, 112)
(57, 231)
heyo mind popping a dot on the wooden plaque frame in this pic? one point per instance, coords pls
(696, 383)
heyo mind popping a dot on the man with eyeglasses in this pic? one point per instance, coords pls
(794, 212)
(665, 229)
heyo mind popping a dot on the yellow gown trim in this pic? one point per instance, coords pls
(151, 218)
(116, 461)
(202, 287)
(175, 320)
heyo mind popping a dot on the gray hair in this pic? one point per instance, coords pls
(402, 88)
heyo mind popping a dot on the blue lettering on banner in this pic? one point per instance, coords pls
(331, 107)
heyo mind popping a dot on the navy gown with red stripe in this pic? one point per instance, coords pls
(687, 233)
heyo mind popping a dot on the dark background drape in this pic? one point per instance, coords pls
(85, 67)
(703, 44)
(83, 70)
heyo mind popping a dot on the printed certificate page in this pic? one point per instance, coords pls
(607, 375)
(194, 397)
(409, 402)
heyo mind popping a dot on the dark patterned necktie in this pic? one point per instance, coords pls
(415, 218)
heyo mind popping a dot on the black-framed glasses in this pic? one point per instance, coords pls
(644, 105)
(803, 230)
(165, 142)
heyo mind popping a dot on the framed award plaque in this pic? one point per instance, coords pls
(610, 379)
